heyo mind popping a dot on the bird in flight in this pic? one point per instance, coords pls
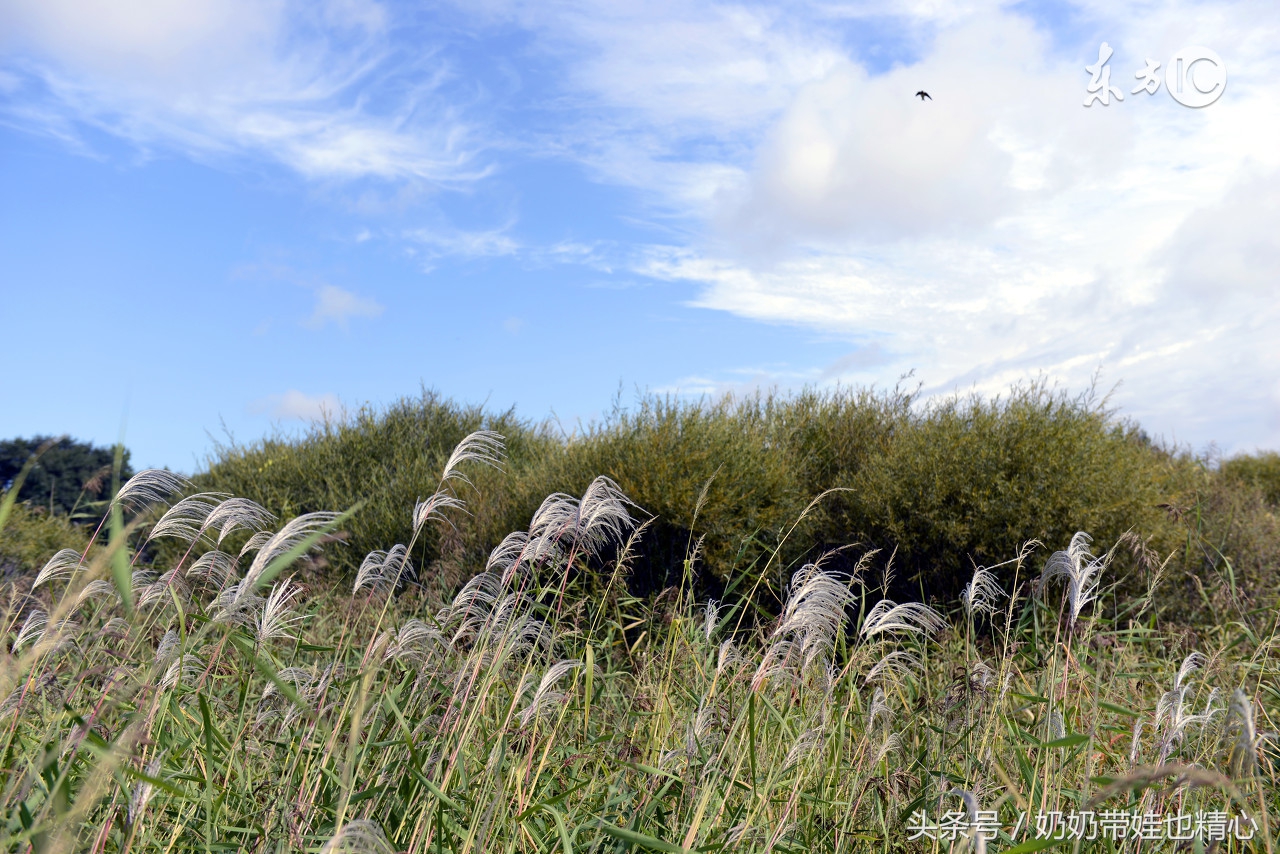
(923, 94)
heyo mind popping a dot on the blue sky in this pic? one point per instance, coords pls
(232, 216)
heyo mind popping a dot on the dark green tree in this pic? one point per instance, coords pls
(68, 478)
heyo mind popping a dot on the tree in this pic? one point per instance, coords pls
(68, 476)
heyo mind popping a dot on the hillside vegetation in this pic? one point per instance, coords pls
(943, 487)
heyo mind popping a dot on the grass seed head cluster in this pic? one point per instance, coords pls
(206, 697)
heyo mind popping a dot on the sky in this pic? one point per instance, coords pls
(222, 219)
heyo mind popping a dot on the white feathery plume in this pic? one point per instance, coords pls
(482, 446)
(557, 514)
(370, 572)
(163, 589)
(32, 629)
(359, 836)
(545, 698)
(1135, 745)
(603, 517)
(804, 745)
(167, 648)
(150, 486)
(878, 709)
(891, 744)
(727, 657)
(815, 610)
(255, 542)
(277, 621)
(381, 572)
(238, 513)
(185, 668)
(898, 663)
(506, 553)
(99, 588)
(59, 568)
(1057, 727)
(434, 506)
(215, 567)
(912, 617)
(977, 841)
(1080, 569)
(116, 627)
(1244, 753)
(142, 792)
(413, 643)
(293, 534)
(186, 519)
(1172, 706)
(982, 593)
(234, 606)
(709, 615)
(777, 661)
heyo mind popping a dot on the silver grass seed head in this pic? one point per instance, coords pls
(186, 519)
(709, 615)
(59, 567)
(359, 836)
(898, 663)
(1080, 569)
(292, 534)
(483, 446)
(185, 669)
(235, 513)
(142, 792)
(215, 568)
(910, 617)
(148, 487)
(545, 698)
(167, 648)
(434, 506)
(255, 542)
(32, 629)
(277, 620)
(97, 589)
(982, 594)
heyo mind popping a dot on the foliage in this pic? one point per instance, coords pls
(546, 709)
(32, 535)
(1261, 470)
(68, 476)
(937, 484)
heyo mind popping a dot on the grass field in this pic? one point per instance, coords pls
(220, 693)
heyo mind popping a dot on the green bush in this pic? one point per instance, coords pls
(1261, 470)
(938, 484)
(32, 535)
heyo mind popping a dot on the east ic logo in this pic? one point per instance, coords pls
(1195, 77)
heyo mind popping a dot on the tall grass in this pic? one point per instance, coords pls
(213, 703)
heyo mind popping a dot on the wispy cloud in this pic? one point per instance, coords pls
(294, 405)
(215, 79)
(337, 306)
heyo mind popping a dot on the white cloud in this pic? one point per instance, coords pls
(213, 78)
(294, 405)
(334, 305)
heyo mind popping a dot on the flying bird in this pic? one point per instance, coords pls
(923, 94)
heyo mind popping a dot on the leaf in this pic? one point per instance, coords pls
(1119, 710)
(641, 839)
(1069, 741)
(1036, 845)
